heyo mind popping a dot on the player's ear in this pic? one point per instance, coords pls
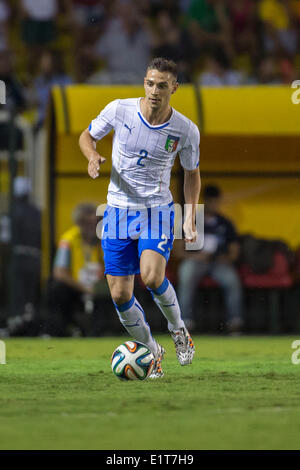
(175, 86)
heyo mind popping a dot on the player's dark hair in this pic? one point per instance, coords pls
(163, 65)
(211, 190)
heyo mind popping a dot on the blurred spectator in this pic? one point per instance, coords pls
(85, 63)
(88, 18)
(244, 26)
(279, 21)
(26, 260)
(124, 46)
(39, 16)
(287, 70)
(295, 8)
(184, 5)
(216, 259)
(51, 72)
(218, 72)
(4, 17)
(267, 72)
(76, 294)
(38, 27)
(210, 24)
(15, 93)
(88, 12)
(15, 101)
(172, 6)
(5, 237)
(172, 42)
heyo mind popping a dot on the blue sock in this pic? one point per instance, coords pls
(132, 317)
(166, 299)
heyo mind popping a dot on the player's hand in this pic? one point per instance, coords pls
(190, 232)
(94, 165)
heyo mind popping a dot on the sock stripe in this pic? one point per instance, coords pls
(162, 288)
(166, 300)
(140, 308)
(125, 306)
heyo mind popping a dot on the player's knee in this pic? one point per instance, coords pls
(152, 279)
(120, 296)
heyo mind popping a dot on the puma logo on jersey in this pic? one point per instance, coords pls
(127, 127)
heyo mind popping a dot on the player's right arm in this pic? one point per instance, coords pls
(87, 145)
(99, 127)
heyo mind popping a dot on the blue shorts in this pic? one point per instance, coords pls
(127, 233)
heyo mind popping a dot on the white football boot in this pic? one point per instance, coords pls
(157, 372)
(184, 346)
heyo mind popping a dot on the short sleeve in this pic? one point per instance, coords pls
(189, 154)
(105, 121)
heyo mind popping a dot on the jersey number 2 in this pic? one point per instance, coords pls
(144, 154)
(163, 242)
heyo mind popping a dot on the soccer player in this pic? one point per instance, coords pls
(148, 134)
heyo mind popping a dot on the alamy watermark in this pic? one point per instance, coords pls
(2, 92)
(296, 95)
(296, 354)
(152, 223)
(2, 352)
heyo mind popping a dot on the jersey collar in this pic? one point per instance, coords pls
(144, 120)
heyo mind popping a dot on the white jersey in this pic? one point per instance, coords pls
(142, 154)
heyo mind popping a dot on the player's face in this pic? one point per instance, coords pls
(159, 86)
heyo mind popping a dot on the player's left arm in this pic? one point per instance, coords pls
(192, 186)
(189, 159)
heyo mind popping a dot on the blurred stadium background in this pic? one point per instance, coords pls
(63, 61)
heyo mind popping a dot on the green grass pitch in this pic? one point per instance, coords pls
(239, 393)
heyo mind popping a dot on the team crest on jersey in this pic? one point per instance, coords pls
(171, 143)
